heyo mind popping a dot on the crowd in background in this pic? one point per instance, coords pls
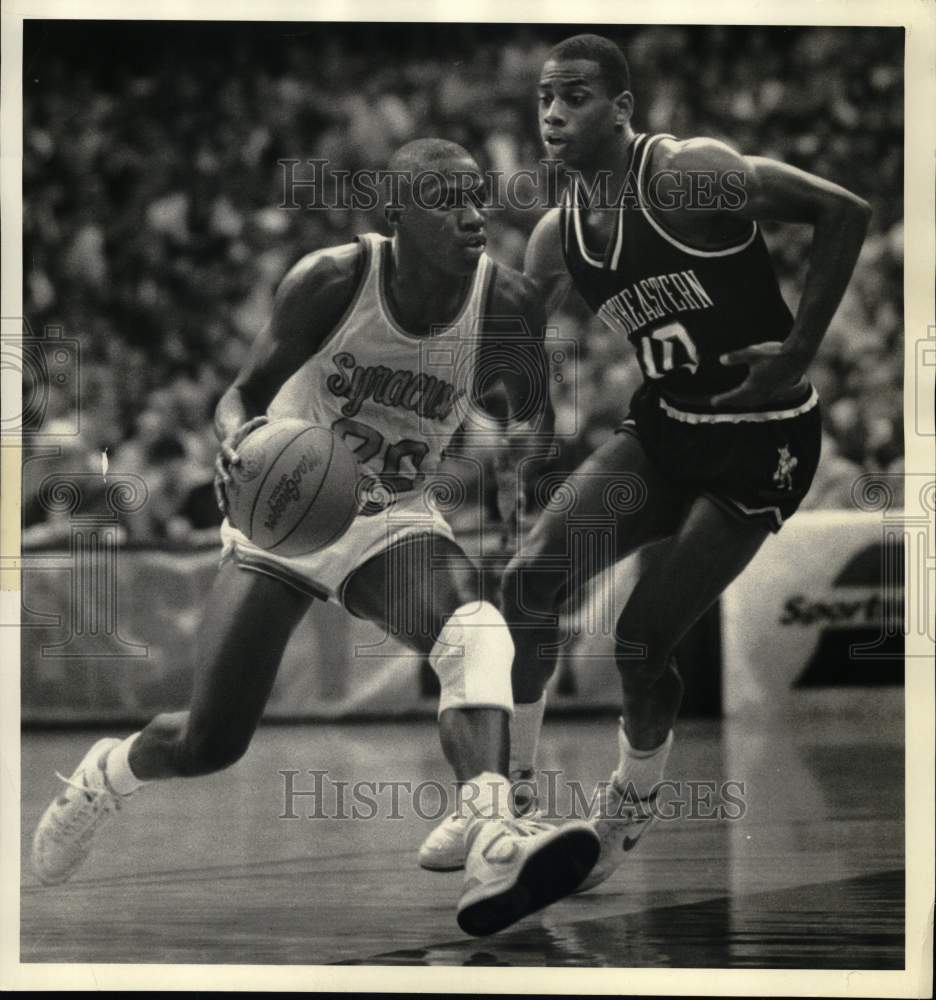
(155, 232)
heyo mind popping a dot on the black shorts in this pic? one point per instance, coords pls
(757, 466)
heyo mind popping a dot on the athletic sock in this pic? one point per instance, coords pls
(117, 768)
(484, 797)
(640, 769)
(525, 726)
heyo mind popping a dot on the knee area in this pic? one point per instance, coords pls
(472, 658)
(642, 670)
(525, 587)
(642, 658)
(532, 671)
(641, 677)
(641, 640)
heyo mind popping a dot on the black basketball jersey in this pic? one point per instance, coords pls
(679, 306)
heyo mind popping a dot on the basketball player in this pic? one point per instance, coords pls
(660, 237)
(355, 343)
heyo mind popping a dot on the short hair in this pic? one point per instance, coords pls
(421, 154)
(615, 73)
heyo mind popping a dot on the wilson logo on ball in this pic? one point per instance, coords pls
(289, 489)
(302, 496)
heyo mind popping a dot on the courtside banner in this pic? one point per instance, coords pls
(816, 620)
(108, 637)
(127, 651)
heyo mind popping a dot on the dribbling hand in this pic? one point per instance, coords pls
(773, 373)
(228, 456)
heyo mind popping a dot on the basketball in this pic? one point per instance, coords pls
(293, 491)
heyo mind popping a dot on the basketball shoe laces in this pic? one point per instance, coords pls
(526, 826)
(80, 815)
(523, 826)
(511, 827)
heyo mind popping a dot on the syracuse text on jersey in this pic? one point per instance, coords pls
(426, 395)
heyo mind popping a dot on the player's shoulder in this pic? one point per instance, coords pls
(697, 153)
(318, 289)
(544, 256)
(548, 225)
(545, 238)
(326, 273)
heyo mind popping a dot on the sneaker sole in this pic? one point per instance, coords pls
(547, 875)
(442, 868)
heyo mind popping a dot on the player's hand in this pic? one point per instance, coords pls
(228, 456)
(772, 372)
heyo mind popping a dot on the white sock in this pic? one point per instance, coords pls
(117, 768)
(525, 726)
(640, 768)
(485, 797)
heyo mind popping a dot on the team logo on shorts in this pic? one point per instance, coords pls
(783, 476)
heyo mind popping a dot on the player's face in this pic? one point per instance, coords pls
(576, 113)
(444, 217)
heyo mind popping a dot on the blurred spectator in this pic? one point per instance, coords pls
(835, 479)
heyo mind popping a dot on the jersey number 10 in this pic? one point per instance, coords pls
(667, 348)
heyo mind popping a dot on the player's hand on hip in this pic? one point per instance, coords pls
(772, 373)
(228, 456)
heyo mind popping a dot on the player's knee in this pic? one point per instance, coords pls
(204, 751)
(472, 658)
(526, 587)
(642, 650)
(530, 676)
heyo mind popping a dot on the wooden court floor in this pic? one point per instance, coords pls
(810, 875)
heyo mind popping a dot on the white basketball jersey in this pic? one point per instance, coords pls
(396, 399)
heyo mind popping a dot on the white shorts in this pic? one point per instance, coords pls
(323, 574)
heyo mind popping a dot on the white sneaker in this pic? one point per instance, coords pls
(444, 849)
(517, 866)
(619, 821)
(63, 837)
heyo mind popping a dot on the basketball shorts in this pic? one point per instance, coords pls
(323, 574)
(756, 466)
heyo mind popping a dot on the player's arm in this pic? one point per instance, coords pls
(839, 219)
(774, 191)
(515, 337)
(308, 304)
(512, 385)
(544, 263)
